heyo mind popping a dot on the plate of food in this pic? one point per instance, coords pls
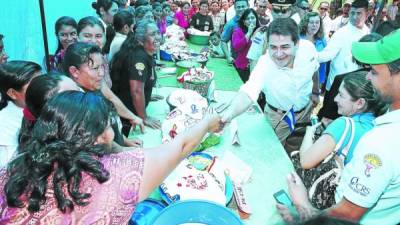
(199, 176)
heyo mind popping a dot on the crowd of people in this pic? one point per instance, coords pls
(66, 153)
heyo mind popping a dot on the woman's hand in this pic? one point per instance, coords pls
(137, 121)
(152, 123)
(310, 130)
(214, 121)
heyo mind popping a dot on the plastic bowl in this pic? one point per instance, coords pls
(197, 211)
(183, 66)
(165, 56)
(199, 39)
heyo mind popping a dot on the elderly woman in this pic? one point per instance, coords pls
(201, 20)
(67, 173)
(133, 71)
(312, 29)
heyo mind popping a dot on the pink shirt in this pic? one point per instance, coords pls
(240, 46)
(112, 202)
(183, 21)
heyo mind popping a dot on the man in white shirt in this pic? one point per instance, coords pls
(280, 9)
(323, 11)
(123, 24)
(369, 188)
(343, 19)
(285, 75)
(338, 50)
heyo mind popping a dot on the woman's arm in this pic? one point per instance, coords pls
(160, 161)
(121, 108)
(311, 154)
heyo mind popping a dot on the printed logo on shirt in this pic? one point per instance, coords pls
(371, 162)
(358, 187)
(140, 67)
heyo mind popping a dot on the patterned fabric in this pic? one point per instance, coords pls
(111, 203)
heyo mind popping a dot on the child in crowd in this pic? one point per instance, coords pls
(215, 46)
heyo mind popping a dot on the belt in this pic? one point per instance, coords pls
(283, 112)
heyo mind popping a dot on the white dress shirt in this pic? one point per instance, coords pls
(284, 87)
(338, 51)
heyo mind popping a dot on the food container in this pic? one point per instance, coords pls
(183, 66)
(199, 39)
(165, 56)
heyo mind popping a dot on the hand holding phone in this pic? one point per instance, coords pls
(283, 198)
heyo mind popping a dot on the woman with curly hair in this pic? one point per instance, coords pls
(67, 173)
(311, 28)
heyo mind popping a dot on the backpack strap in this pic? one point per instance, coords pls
(344, 134)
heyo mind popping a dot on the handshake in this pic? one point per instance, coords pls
(217, 118)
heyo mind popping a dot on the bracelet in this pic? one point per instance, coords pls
(315, 93)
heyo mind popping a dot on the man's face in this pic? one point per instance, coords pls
(279, 11)
(240, 7)
(3, 54)
(282, 50)
(261, 7)
(323, 8)
(358, 16)
(383, 82)
(346, 9)
(214, 7)
(203, 9)
(90, 75)
(195, 3)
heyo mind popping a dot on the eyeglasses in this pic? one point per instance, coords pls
(280, 10)
(323, 9)
(262, 6)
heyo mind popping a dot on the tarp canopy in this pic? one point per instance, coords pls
(20, 23)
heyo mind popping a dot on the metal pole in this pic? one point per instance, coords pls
(44, 33)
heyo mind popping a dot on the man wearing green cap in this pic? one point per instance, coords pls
(369, 189)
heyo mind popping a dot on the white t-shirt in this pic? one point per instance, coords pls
(10, 124)
(372, 178)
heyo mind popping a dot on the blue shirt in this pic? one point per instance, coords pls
(228, 29)
(363, 122)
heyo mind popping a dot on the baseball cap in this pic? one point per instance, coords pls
(383, 51)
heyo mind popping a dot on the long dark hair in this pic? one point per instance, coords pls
(358, 86)
(39, 91)
(124, 58)
(61, 145)
(244, 17)
(15, 74)
(63, 21)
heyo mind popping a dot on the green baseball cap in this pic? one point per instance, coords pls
(383, 51)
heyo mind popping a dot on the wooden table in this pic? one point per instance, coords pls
(259, 148)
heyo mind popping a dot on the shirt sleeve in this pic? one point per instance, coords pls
(332, 49)
(138, 69)
(239, 40)
(336, 129)
(227, 32)
(256, 80)
(368, 174)
(256, 46)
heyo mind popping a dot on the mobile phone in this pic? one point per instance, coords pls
(283, 198)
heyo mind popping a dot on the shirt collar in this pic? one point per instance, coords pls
(389, 117)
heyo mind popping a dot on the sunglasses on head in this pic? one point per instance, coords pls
(282, 10)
